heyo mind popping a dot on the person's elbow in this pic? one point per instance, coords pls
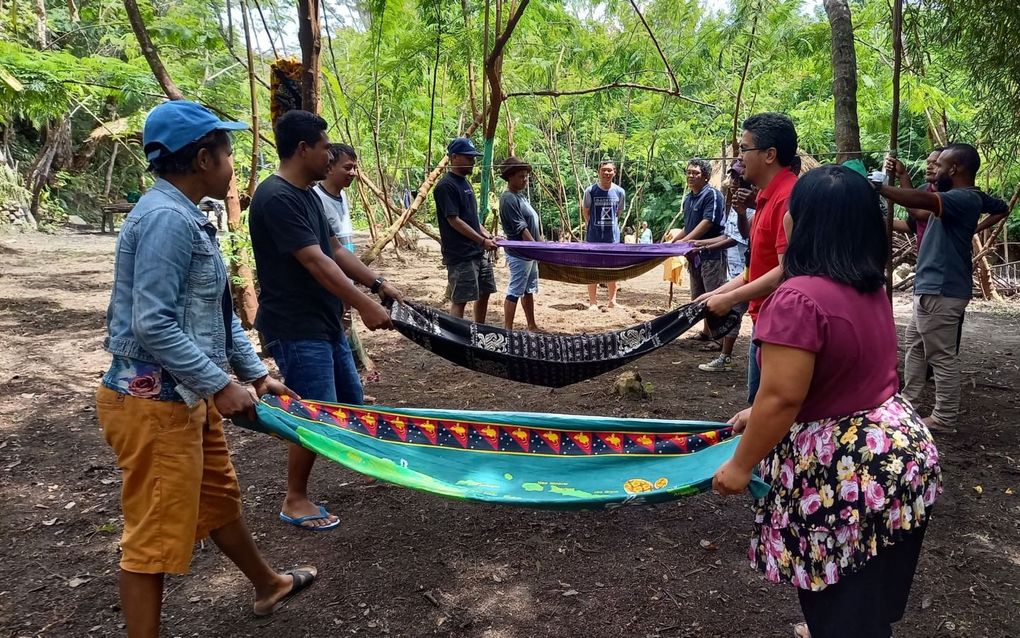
(779, 399)
(152, 327)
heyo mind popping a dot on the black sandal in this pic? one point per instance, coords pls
(303, 578)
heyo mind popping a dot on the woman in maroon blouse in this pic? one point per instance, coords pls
(853, 470)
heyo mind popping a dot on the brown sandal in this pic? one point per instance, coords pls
(303, 577)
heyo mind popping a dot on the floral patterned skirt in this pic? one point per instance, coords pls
(841, 490)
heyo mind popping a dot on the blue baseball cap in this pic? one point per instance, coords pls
(462, 146)
(173, 125)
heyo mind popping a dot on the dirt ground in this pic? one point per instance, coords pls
(409, 564)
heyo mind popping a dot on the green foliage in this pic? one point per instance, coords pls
(379, 61)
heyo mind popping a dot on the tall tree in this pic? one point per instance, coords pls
(309, 36)
(844, 80)
(245, 299)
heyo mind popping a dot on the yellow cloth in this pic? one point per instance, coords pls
(673, 269)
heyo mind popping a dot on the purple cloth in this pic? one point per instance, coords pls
(593, 255)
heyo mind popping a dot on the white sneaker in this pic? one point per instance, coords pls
(722, 363)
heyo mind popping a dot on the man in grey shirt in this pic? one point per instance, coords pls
(944, 278)
(520, 223)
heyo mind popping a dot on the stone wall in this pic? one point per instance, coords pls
(17, 215)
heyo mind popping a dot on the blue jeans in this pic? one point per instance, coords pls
(318, 370)
(753, 370)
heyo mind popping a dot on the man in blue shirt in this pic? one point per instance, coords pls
(173, 335)
(734, 241)
(944, 277)
(704, 209)
(600, 207)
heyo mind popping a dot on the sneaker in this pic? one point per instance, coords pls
(722, 363)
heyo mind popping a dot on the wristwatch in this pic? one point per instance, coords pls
(377, 284)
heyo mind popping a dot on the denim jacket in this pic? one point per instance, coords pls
(167, 300)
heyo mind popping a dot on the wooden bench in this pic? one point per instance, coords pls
(110, 211)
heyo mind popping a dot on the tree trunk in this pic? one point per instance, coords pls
(844, 80)
(253, 176)
(245, 300)
(40, 23)
(49, 159)
(72, 11)
(494, 74)
(894, 129)
(309, 36)
(470, 66)
(109, 171)
(150, 52)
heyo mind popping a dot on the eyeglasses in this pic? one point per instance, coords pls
(745, 149)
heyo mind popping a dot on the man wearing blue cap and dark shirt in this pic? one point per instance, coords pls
(464, 241)
(305, 278)
(173, 335)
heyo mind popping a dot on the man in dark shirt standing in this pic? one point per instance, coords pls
(305, 277)
(704, 210)
(464, 241)
(944, 278)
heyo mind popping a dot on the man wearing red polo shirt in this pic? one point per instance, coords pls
(768, 148)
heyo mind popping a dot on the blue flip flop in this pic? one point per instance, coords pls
(301, 519)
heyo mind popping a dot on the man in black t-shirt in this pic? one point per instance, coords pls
(305, 277)
(464, 241)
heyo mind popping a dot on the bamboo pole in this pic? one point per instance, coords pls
(894, 129)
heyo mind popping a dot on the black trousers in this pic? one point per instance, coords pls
(866, 603)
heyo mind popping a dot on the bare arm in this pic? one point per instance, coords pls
(761, 287)
(482, 239)
(729, 286)
(989, 221)
(912, 198)
(526, 235)
(715, 243)
(786, 378)
(703, 227)
(351, 265)
(328, 273)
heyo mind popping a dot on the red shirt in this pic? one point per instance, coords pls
(852, 335)
(768, 238)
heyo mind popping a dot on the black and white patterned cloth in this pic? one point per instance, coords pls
(544, 359)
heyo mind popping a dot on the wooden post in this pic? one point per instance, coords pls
(109, 172)
(253, 177)
(309, 37)
(894, 129)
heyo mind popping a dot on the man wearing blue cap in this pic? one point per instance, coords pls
(173, 335)
(464, 241)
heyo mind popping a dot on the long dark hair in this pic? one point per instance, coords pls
(838, 229)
